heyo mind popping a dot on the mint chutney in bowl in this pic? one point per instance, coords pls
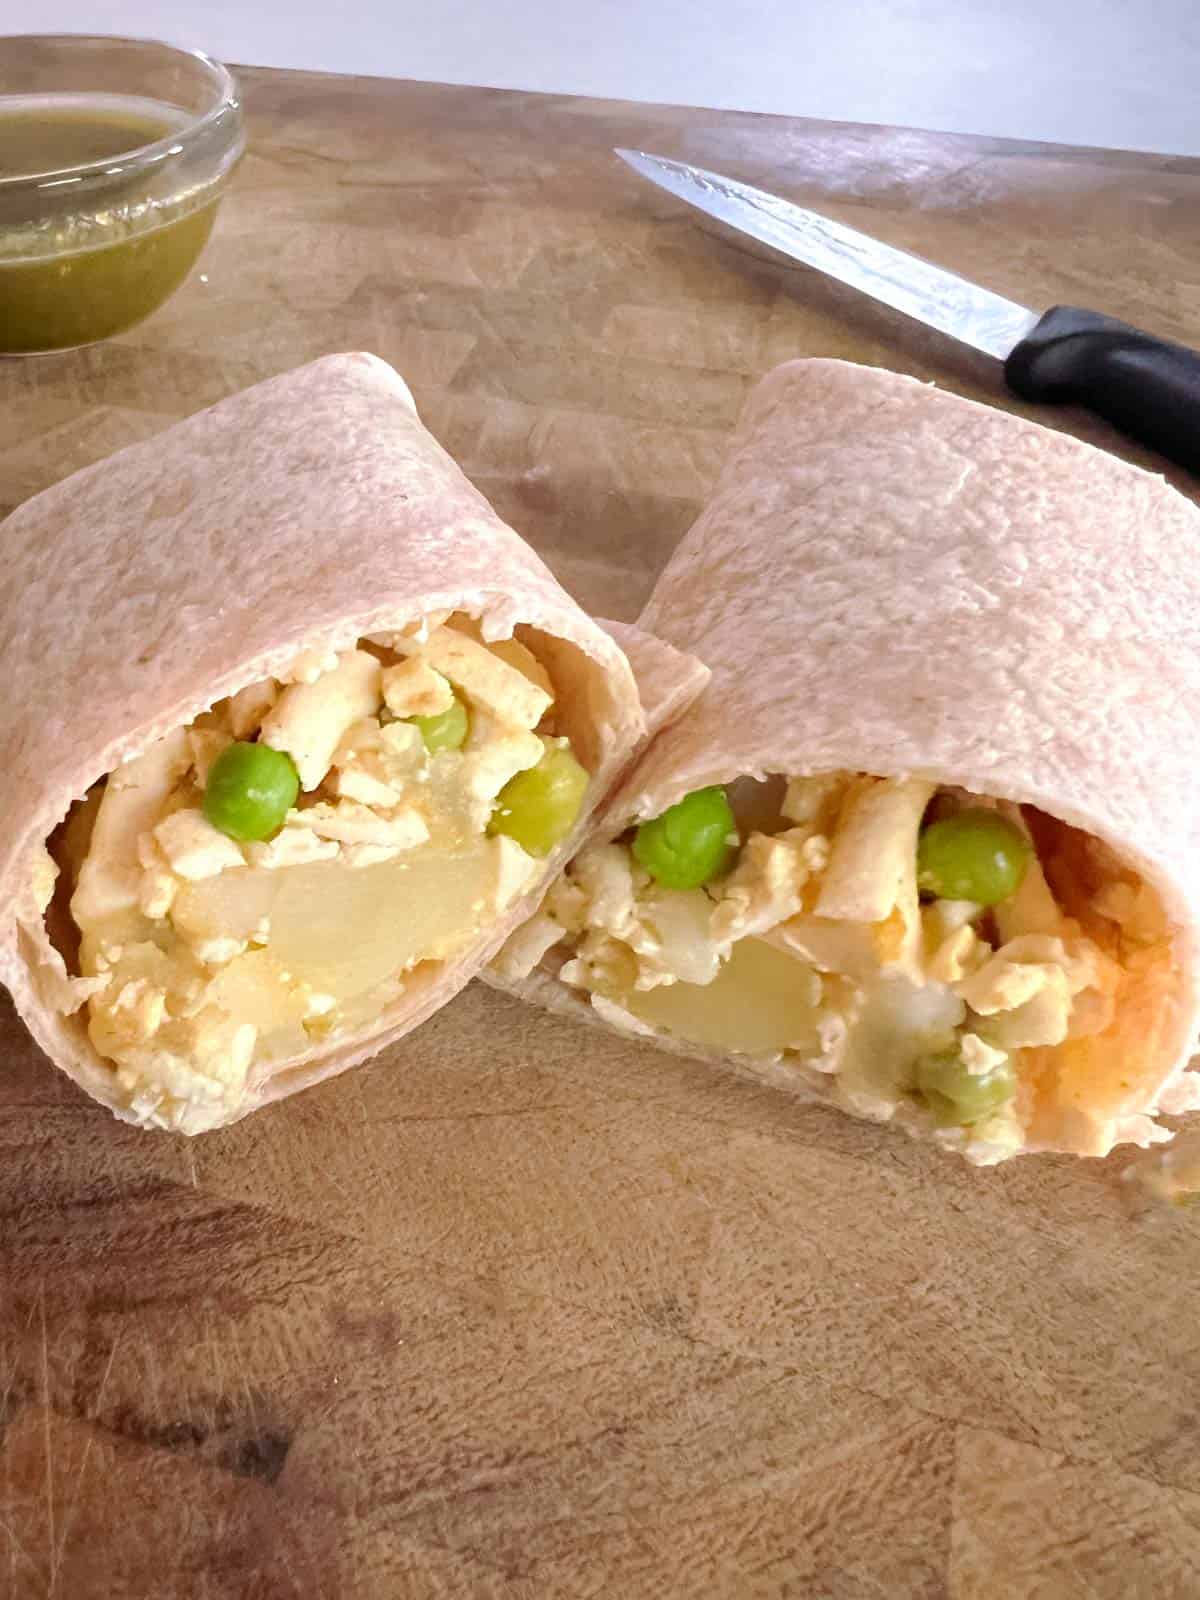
(114, 154)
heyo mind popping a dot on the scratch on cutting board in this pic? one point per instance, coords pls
(71, 1507)
(368, 1134)
(191, 1152)
(214, 1351)
(16, 1547)
(49, 1463)
(243, 1373)
(149, 1366)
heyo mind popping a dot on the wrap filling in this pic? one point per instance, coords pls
(281, 871)
(961, 963)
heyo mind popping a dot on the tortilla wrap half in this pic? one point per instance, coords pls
(289, 522)
(914, 605)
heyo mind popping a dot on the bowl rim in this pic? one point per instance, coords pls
(227, 107)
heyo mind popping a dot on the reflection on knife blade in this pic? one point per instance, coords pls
(938, 298)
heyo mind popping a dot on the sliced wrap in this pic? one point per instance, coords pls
(917, 611)
(300, 568)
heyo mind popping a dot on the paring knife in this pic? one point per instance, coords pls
(1146, 387)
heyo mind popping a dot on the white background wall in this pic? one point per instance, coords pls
(1123, 73)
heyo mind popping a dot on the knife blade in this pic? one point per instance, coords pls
(1147, 387)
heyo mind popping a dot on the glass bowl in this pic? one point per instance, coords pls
(92, 243)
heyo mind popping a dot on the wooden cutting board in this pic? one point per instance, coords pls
(513, 1312)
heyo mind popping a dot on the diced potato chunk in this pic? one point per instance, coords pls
(339, 929)
(229, 906)
(343, 929)
(761, 1002)
(255, 988)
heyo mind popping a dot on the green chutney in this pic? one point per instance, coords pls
(77, 265)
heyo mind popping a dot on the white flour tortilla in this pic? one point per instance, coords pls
(303, 513)
(893, 580)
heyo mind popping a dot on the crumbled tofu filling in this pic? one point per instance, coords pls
(816, 948)
(200, 958)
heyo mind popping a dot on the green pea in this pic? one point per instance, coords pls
(445, 730)
(956, 1096)
(974, 855)
(538, 807)
(690, 843)
(250, 789)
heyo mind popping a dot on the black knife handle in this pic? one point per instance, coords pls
(1146, 387)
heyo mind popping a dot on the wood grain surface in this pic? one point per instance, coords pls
(512, 1312)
